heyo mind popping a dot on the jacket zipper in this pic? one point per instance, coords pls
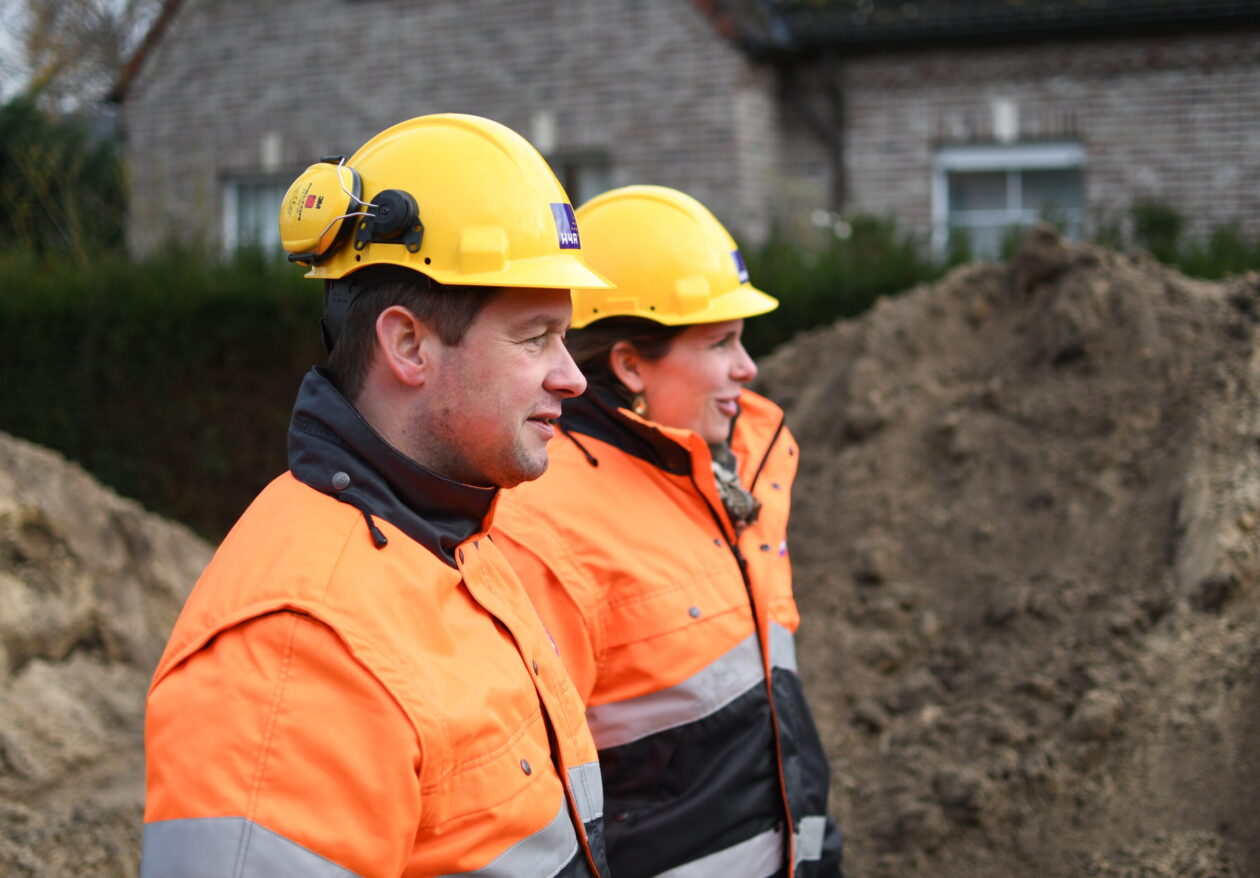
(765, 457)
(763, 639)
(553, 740)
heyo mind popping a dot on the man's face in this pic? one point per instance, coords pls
(495, 394)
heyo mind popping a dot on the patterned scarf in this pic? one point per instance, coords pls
(740, 504)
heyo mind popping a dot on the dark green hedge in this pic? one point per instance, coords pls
(170, 380)
(841, 278)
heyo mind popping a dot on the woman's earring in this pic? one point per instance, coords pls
(639, 405)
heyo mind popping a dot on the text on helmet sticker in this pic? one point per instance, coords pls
(566, 226)
(740, 268)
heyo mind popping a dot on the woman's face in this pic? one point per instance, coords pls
(696, 385)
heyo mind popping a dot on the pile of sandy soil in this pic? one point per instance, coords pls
(90, 585)
(1026, 543)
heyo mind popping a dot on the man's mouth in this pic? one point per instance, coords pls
(545, 424)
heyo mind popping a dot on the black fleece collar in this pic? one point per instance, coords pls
(597, 414)
(336, 452)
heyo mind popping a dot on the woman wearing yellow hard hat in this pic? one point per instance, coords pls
(655, 549)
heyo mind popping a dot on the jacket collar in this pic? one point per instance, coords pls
(335, 451)
(598, 414)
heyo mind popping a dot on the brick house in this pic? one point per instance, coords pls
(947, 114)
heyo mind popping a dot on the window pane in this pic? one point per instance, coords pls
(983, 190)
(1052, 190)
(985, 240)
(590, 179)
(258, 213)
(582, 176)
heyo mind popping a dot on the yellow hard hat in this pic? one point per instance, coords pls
(459, 198)
(671, 259)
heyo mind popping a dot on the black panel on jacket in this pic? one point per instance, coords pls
(578, 867)
(661, 792)
(805, 770)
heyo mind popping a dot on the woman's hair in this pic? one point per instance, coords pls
(591, 347)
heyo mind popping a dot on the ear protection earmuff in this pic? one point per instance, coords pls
(313, 221)
(315, 210)
(316, 216)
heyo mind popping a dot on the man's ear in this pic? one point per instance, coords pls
(406, 345)
(624, 360)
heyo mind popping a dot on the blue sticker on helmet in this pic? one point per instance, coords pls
(740, 268)
(566, 226)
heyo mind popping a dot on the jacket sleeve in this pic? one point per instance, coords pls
(561, 613)
(272, 751)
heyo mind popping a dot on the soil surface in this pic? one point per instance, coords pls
(90, 585)
(1027, 546)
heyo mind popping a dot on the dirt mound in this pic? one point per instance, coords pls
(1027, 545)
(90, 585)
(1027, 542)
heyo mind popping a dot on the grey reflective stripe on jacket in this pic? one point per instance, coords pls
(760, 855)
(214, 847)
(588, 791)
(809, 839)
(702, 694)
(782, 648)
(233, 847)
(544, 853)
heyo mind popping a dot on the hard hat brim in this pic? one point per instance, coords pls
(560, 271)
(741, 302)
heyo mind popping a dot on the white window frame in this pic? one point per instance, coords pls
(1011, 158)
(231, 204)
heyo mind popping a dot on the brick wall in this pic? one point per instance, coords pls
(238, 87)
(1175, 119)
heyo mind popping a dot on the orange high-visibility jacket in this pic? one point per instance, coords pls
(680, 637)
(358, 685)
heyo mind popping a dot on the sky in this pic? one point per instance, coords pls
(13, 71)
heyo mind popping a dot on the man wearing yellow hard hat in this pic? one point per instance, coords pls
(656, 549)
(358, 684)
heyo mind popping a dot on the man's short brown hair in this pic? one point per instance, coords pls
(449, 310)
(591, 348)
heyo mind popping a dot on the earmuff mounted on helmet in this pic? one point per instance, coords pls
(494, 213)
(314, 211)
(392, 218)
(311, 226)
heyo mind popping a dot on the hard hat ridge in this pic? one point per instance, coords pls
(461, 199)
(671, 259)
